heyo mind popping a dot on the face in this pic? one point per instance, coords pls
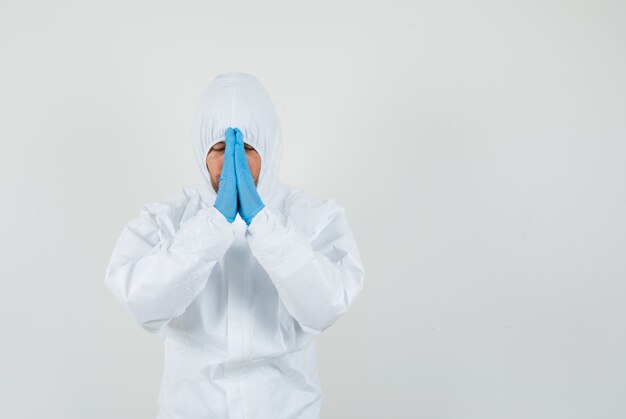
(215, 160)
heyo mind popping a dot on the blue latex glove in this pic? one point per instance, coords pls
(226, 200)
(249, 200)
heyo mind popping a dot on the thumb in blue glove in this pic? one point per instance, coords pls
(226, 199)
(250, 202)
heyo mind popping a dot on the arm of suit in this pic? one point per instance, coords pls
(317, 280)
(157, 272)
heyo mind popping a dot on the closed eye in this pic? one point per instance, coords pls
(219, 146)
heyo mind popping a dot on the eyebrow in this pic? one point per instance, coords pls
(222, 144)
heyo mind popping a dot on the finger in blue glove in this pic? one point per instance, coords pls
(226, 199)
(250, 202)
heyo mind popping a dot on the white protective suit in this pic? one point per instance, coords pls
(238, 307)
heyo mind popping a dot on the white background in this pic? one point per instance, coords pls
(478, 147)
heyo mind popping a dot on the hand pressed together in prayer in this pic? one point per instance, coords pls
(236, 165)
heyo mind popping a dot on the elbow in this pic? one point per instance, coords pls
(155, 326)
(146, 313)
(328, 314)
(133, 302)
(320, 324)
(323, 317)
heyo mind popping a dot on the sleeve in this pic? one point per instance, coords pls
(156, 274)
(316, 280)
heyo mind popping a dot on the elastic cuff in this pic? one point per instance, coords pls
(260, 218)
(216, 217)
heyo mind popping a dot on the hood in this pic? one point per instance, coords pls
(238, 100)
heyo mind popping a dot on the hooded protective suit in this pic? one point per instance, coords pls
(238, 307)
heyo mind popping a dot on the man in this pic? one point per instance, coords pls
(238, 273)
